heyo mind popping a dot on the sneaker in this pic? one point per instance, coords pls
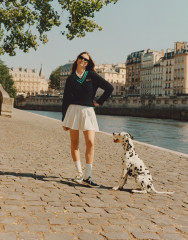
(90, 183)
(79, 179)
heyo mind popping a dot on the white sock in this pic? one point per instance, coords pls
(88, 170)
(78, 167)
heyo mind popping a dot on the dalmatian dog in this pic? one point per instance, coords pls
(133, 166)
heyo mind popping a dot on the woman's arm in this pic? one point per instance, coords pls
(66, 98)
(105, 85)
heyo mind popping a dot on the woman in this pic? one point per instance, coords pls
(78, 111)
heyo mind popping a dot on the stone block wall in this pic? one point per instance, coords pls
(6, 103)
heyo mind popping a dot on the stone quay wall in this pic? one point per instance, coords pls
(6, 103)
(151, 107)
(148, 106)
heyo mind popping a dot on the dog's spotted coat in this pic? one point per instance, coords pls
(133, 166)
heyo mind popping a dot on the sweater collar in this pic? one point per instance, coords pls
(83, 77)
(80, 75)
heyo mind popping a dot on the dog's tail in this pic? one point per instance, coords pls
(160, 192)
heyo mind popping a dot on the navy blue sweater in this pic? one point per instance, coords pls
(84, 94)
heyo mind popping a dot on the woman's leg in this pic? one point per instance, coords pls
(89, 155)
(74, 136)
(90, 141)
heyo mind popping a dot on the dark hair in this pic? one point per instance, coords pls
(90, 66)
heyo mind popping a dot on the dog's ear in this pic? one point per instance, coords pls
(131, 136)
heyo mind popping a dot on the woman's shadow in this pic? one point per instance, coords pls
(66, 181)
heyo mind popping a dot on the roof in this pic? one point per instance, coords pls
(67, 67)
(134, 57)
(169, 55)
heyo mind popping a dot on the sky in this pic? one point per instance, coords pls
(128, 26)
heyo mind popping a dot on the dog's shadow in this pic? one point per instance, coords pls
(70, 182)
(126, 190)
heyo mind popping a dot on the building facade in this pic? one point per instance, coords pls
(151, 73)
(160, 74)
(180, 85)
(114, 74)
(157, 79)
(29, 81)
(168, 73)
(133, 67)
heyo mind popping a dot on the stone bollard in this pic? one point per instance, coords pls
(6, 103)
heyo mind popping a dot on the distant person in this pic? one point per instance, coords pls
(78, 111)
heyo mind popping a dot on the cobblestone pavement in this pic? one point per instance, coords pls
(39, 201)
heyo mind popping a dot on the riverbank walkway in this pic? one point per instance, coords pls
(39, 200)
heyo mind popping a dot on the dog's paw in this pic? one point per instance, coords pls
(115, 188)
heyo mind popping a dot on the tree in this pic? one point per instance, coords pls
(19, 20)
(6, 80)
(55, 78)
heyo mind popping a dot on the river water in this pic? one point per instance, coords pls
(170, 134)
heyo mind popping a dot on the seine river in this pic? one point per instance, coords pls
(170, 134)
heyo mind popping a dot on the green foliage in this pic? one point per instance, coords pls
(19, 20)
(81, 15)
(55, 78)
(6, 80)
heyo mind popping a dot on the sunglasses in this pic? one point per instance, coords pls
(83, 58)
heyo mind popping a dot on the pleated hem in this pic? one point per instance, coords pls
(81, 118)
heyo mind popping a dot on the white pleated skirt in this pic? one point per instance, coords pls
(81, 118)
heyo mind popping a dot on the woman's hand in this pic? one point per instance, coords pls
(65, 128)
(95, 104)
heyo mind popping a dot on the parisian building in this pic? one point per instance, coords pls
(114, 74)
(180, 85)
(157, 73)
(151, 73)
(29, 81)
(168, 73)
(157, 79)
(133, 68)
